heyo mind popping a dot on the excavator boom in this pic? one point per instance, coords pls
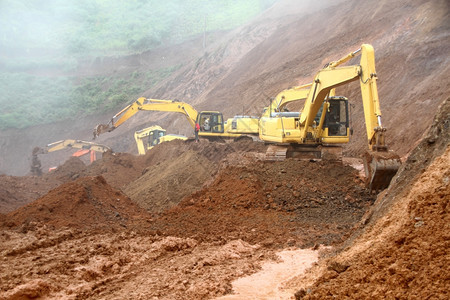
(65, 144)
(147, 105)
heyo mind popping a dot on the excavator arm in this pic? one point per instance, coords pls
(147, 105)
(66, 144)
(333, 76)
(380, 163)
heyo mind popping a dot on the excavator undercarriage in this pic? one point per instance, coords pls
(303, 152)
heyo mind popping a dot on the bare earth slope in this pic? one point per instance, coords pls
(87, 240)
(187, 219)
(282, 48)
(402, 252)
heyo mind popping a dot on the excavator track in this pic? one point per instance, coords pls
(276, 153)
(380, 167)
(304, 152)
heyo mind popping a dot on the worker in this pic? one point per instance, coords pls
(197, 129)
(206, 126)
(36, 163)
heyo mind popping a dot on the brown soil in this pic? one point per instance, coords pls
(401, 252)
(410, 260)
(268, 203)
(17, 191)
(92, 234)
(163, 185)
(88, 202)
(187, 219)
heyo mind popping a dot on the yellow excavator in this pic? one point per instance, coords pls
(85, 148)
(212, 123)
(151, 136)
(323, 122)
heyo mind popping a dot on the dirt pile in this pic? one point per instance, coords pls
(88, 202)
(410, 257)
(117, 169)
(69, 170)
(120, 169)
(18, 191)
(403, 251)
(177, 169)
(275, 203)
(165, 184)
(197, 248)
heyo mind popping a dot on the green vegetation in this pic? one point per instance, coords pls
(39, 36)
(28, 100)
(100, 27)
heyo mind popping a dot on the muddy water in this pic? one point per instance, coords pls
(267, 283)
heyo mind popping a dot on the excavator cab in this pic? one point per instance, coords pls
(154, 137)
(336, 123)
(210, 121)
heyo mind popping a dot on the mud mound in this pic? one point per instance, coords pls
(165, 184)
(291, 202)
(18, 191)
(88, 202)
(176, 169)
(407, 234)
(118, 169)
(71, 169)
(412, 256)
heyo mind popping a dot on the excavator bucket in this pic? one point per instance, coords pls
(380, 167)
(101, 128)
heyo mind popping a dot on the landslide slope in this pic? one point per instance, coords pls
(402, 253)
(285, 46)
(289, 43)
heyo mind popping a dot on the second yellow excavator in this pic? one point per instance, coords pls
(149, 137)
(323, 122)
(212, 123)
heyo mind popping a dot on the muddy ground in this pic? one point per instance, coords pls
(228, 211)
(206, 220)
(88, 239)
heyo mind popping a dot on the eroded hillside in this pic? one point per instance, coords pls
(283, 47)
(214, 219)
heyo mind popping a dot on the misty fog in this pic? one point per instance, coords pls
(43, 42)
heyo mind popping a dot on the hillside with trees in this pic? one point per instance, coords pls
(45, 45)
